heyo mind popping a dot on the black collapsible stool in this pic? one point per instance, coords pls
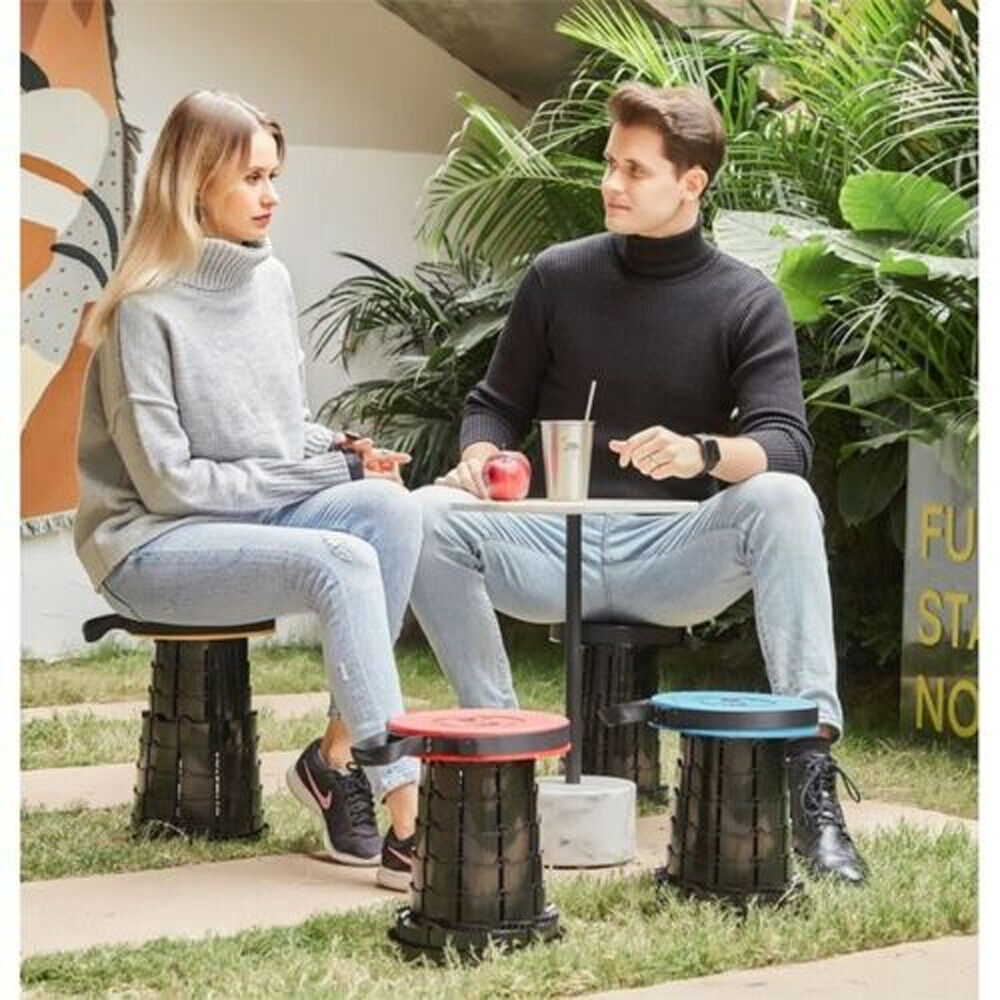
(619, 665)
(477, 869)
(198, 771)
(730, 828)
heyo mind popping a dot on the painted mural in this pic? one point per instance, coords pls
(77, 168)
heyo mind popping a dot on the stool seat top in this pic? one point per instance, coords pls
(735, 715)
(484, 735)
(95, 628)
(611, 633)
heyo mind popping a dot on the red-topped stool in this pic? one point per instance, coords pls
(477, 867)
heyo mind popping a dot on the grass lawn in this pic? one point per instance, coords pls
(114, 673)
(884, 764)
(77, 739)
(66, 842)
(617, 935)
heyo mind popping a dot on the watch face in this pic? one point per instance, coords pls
(709, 451)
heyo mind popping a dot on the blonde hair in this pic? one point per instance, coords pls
(203, 134)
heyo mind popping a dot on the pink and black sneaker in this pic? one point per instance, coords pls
(343, 800)
(396, 868)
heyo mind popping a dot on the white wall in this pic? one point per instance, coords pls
(359, 200)
(56, 596)
(367, 106)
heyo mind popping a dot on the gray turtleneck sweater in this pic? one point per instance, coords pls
(194, 408)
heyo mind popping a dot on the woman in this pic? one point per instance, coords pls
(207, 494)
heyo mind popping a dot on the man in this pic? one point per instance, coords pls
(698, 388)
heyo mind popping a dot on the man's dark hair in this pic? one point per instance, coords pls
(691, 127)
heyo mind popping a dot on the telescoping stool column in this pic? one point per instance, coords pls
(198, 771)
(620, 664)
(730, 828)
(477, 868)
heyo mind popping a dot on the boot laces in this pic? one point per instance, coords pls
(818, 796)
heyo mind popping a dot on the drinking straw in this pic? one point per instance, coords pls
(590, 398)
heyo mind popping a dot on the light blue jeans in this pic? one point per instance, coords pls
(764, 535)
(347, 553)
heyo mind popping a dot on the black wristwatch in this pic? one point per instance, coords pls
(710, 453)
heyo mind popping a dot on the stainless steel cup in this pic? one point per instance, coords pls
(566, 450)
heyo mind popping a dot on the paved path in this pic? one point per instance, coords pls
(926, 970)
(283, 706)
(193, 901)
(98, 787)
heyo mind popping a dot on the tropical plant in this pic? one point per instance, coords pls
(877, 84)
(437, 330)
(900, 321)
(859, 131)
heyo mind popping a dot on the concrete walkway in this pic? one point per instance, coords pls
(282, 706)
(926, 970)
(98, 787)
(193, 901)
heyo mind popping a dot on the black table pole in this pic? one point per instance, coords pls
(573, 653)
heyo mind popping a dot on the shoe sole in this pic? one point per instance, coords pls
(299, 790)
(397, 881)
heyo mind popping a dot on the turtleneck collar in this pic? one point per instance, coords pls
(666, 256)
(224, 264)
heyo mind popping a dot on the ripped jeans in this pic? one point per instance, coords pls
(347, 553)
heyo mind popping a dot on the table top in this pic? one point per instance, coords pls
(594, 505)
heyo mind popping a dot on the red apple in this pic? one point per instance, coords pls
(507, 475)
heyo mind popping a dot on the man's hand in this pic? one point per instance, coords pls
(660, 454)
(468, 474)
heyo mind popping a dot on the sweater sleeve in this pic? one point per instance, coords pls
(767, 384)
(502, 405)
(318, 438)
(144, 423)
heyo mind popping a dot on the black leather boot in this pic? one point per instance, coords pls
(819, 833)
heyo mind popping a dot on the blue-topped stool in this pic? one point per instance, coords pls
(731, 829)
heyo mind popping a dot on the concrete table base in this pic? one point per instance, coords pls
(586, 825)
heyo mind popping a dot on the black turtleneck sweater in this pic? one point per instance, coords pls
(676, 333)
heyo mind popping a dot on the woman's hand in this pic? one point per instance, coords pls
(378, 463)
